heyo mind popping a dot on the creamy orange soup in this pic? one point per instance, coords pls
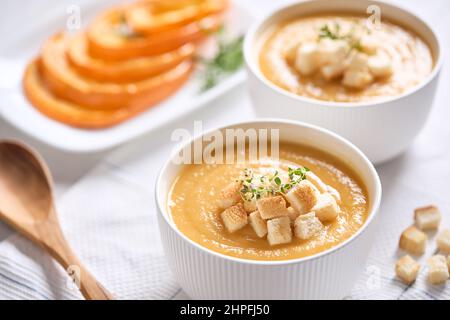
(193, 206)
(409, 55)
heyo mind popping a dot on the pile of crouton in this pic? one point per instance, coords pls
(336, 59)
(414, 241)
(300, 212)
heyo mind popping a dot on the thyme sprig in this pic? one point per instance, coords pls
(295, 176)
(326, 33)
(255, 187)
(228, 59)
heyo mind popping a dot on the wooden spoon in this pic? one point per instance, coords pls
(26, 204)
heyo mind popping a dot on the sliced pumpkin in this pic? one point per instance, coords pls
(67, 84)
(151, 17)
(81, 116)
(122, 71)
(110, 38)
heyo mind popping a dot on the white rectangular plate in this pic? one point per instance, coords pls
(15, 108)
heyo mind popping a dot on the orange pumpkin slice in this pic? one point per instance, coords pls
(67, 84)
(122, 71)
(83, 117)
(150, 17)
(109, 37)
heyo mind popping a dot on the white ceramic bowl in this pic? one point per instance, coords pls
(381, 129)
(205, 274)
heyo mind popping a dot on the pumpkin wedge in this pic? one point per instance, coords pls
(110, 38)
(122, 71)
(81, 116)
(151, 17)
(68, 85)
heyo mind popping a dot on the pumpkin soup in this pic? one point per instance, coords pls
(298, 205)
(342, 58)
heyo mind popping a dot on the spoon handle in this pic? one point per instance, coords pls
(89, 287)
(53, 241)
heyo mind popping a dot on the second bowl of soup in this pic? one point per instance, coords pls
(364, 69)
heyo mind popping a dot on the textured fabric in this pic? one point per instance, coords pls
(109, 218)
(120, 225)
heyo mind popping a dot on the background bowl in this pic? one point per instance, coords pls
(205, 274)
(381, 129)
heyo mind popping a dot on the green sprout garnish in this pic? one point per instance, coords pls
(228, 60)
(255, 187)
(326, 33)
(295, 176)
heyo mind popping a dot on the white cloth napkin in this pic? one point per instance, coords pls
(110, 222)
(109, 218)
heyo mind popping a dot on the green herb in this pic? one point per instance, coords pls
(278, 181)
(228, 59)
(325, 32)
(354, 43)
(255, 187)
(295, 176)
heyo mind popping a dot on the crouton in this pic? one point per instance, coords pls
(437, 269)
(332, 71)
(290, 54)
(250, 206)
(316, 181)
(332, 51)
(380, 66)
(303, 196)
(307, 225)
(357, 79)
(357, 61)
(258, 224)
(369, 45)
(234, 218)
(407, 269)
(279, 231)
(427, 217)
(292, 214)
(443, 241)
(230, 195)
(306, 60)
(326, 208)
(413, 241)
(271, 207)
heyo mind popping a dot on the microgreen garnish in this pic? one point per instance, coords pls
(256, 186)
(295, 176)
(228, 59)
(356, 44)
(326, 33)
